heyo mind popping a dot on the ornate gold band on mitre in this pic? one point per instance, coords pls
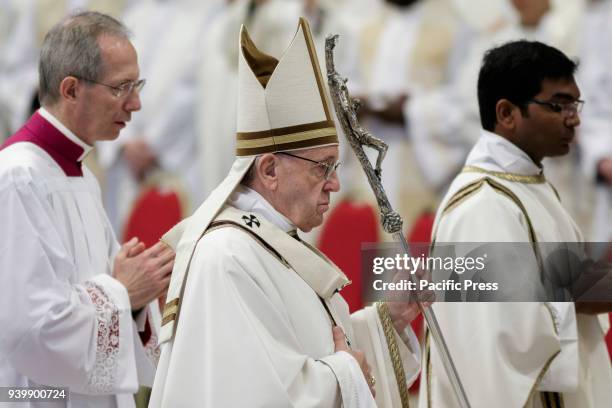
(287, 138)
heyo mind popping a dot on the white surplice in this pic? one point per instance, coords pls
(506, 353)
(65, 320)
(253, 333)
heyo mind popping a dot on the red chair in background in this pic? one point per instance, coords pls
(158, 208)
(154, 213)
(160, 205)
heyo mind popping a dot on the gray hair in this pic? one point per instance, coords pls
(71, 48)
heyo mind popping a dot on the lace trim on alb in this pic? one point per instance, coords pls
(152, 349)
(102, 378)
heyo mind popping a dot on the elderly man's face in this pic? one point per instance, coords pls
(101, 115)
(303, 192)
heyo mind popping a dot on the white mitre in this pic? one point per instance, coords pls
(282, 105)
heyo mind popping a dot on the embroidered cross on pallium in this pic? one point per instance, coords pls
(250, 220)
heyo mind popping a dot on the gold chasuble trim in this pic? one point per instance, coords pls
(539, 380)
(396, 359)
(505, 191)
(552, 400)
(548, 399)
(517, 178)
(171, 317)
(472, 188)
(428, 365)
(461, 195)
(170, 310)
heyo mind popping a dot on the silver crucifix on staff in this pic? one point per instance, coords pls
(346, 110)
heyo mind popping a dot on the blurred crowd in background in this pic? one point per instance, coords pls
(414, 64)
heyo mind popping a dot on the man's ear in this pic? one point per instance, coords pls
(68, 89)
(507, 114)
(267, 170)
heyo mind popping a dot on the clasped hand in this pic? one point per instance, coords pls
(145, 273)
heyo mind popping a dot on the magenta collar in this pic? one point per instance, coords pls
(43, 134)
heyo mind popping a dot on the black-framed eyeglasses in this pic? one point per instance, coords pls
(328, 168)
(566, 108)
(121, 90)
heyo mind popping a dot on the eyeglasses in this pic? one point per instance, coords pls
(328, 168)
(566, 108)
(121, 90)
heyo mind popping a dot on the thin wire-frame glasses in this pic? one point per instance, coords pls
(121, 90)
(329, 168)
(566, 108)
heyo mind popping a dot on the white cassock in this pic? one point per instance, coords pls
(65, 321)
(513, 354)
(254, 332)
(167, 121)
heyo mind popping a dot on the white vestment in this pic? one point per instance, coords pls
(508, 353)
(65, 321)
(253, 332)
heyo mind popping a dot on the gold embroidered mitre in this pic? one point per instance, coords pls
(282, 105)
